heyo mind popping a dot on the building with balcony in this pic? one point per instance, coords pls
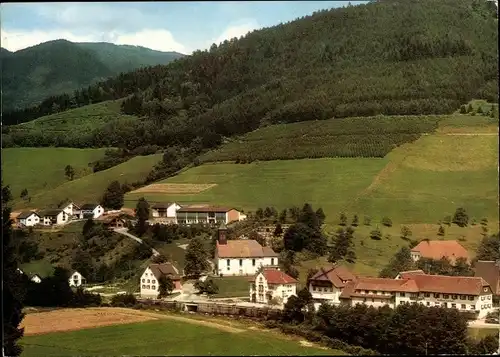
(327, 284)
(206, 214)
(241, 257)
(272, 284)
(467, 294)
(438, 249)
(164, 213)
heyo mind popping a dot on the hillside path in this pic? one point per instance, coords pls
(125, 232)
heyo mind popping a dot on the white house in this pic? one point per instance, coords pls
(272, 284)
(328, 283)
(149, 284)
(28, 219)
(53, 216)
(36, 278)
(76, 279)
(241, 257)
(69, 208)
(164, 213)
(467, 294)
(91, 210)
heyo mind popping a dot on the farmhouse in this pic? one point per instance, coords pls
(53, 216)
(28, 219)
(36, 278)
(164, 213)
(76, 279)
(241, 257)
(91, 210)
(467, 294)
(490, 271)
(437, 249)
(113, 221)
(207, 214)
(69, 208)
(272, 284)
(328, 283)
(149, 283)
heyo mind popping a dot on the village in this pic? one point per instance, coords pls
(268, 285)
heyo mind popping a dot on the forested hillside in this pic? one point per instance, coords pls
(385, 57)
(57, 67)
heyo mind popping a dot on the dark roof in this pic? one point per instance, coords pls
(89, 206)
(164, 269)
(26, 214)
(66, 202)
(338, 275)
(50, 212)
(490, 272)
(162, 205)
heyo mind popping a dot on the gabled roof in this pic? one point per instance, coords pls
(50, 212)
(409, 273)
(274, 276)
(164, 269)
(65, 203)
(437, 249)
(89, 206)
(243, 248)
(164, 205)
(26, 214)
(490, 272)
(336, 274)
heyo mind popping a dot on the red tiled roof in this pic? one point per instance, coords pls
(165, 269)
(335, 274)
(274, 276)
(437, 249)
(409, 273)
(489, 271)
(243, 248)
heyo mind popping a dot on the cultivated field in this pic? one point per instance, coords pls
(163, 334)
(40, 169)
(81, 121)
(91, 187)
(174, 188)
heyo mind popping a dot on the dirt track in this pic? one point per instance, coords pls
(77, 319)
(175, 188)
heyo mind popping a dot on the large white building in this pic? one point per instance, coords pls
(468, 294)
(241, 257)
(328, 283)
(53, 216)
(149, 284)
(272, 284)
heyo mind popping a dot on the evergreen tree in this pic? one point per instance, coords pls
(401, 261)
(165, 286)
(69, 172)
(88, 227)
(113, 196)
(321, 216)
(355, 221)
(24, 194)
(309, 217)
(142, 215)
(460, 218)
(12, 285)
(278, 231)
(282, 217)
(441, 231)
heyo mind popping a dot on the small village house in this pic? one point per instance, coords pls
(438, 249)
(113, 221)
(241, 257)
(270, 285)
(91, 210)
(164, 213)
(36, 278)
(467, 294)
(328, 283)
(149, 284)
(53, 217)
(28, 219)
(490, 271)
(76, 279)
(69, 207)
(205, 214)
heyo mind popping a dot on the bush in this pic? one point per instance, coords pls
(123, 300)
(386, 221)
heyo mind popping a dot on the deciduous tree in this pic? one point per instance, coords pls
(165, 286)
(113, 196)
(196, 258)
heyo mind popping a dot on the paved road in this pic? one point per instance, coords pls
(125, 232)
(482, 324)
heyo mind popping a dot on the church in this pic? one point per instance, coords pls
(241, 257)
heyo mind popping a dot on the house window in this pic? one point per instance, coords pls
(228, 268)
(428, 303)
(436, 295)
(153, 281)
(454, 305)
(228, 262)
(148, 281)
(427, 294)
(143, 280)
(153, 287)
(253, 262)
(446, 296)
(143, 286)
(241, 262)
(402, 294)
(272, 261)
(482, 298)
(471, 297)
(463, 306)
(472, 307)
(454, 297)
(373, 300)
(489, 297)
(148, 286)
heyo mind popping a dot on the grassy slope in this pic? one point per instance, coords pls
(84, 120)
(164, 338)
(91, 187)
(38, 169)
